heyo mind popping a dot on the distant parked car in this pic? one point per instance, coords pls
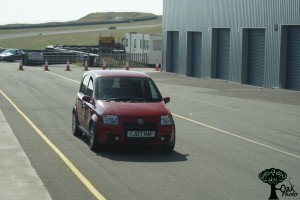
(11, 55)
(112, 27)
(122, 108)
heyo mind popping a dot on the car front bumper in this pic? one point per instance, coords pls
(118, 135)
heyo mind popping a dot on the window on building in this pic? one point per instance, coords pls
(146, 44)
(141, 44)
(134, 43)
(126, 42)
(156, 45)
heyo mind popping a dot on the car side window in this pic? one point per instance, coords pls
(153, 92)
(84, 84)
(90, 88)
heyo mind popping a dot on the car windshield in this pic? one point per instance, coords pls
(127, 90)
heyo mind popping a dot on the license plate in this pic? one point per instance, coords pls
(141, 134)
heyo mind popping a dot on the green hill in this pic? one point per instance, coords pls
(90, 19)
(111, 16)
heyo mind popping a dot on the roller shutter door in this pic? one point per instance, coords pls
(196, 54)
(174, 51)
(293, 58)
(256, 57)
(223, 53)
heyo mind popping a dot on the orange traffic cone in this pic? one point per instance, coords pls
(68, 66)
(85, 66)
(127, 66)
(157, 68)
(21, 65)
(46, 65)
(104, 65)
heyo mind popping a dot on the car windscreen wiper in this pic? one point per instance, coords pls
(112, 99)
(123, 99)
(140, 100)
(130, 99)
(144, 100)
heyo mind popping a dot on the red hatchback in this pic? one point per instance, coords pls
(123, 108)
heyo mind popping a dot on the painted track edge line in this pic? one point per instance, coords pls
(72, 167)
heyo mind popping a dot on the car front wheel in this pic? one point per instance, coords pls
(170, 147)
(93, 138)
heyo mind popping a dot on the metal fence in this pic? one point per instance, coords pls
(34, 57)
(123, 59)
(61, 56)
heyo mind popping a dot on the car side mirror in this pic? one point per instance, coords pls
(86, 98)
(166, 99)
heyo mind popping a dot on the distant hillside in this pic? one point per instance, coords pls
(90, 19)
(111, 16)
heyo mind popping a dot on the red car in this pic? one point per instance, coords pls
(122, 108)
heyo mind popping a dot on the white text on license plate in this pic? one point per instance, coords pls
(140, 133)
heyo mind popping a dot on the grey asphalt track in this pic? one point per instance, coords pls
(227, 134)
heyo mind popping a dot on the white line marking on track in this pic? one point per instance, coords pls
(237, 136)
(212, 104)
(62, 76)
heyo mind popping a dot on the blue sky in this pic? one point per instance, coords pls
(38, 11)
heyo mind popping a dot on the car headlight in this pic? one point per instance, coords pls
(110, 120)
(166, 120)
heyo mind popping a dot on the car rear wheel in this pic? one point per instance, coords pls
(75, 129)
(93, 138)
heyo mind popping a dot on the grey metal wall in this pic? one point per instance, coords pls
(203, 16)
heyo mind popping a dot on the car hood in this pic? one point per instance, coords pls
(132, 109)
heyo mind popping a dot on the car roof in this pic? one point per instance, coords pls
(117, 73)
(12, 49)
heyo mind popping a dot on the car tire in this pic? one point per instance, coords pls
(93, 138)
(169, 148)
(75, 129)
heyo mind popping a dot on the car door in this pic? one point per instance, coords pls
(18, 55)
(88, 105)
(80, 104)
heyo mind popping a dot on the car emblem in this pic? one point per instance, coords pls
(140, 121)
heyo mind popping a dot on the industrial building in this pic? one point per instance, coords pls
(255, 42)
